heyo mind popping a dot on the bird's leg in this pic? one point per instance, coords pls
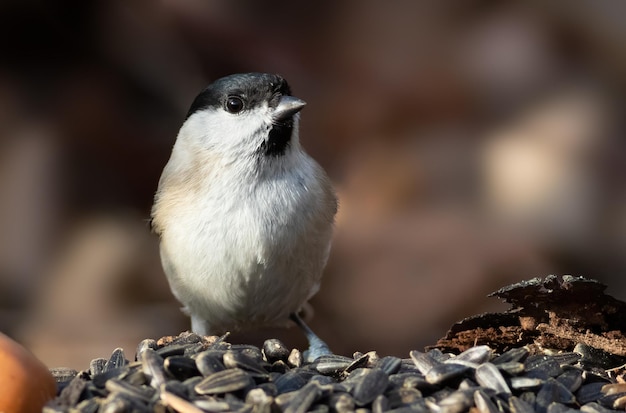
(199, 326)
(316, 346)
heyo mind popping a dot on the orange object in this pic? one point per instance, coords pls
(25, 382)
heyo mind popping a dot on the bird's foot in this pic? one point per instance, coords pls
(317, 347)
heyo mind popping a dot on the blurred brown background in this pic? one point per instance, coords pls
(473, 144)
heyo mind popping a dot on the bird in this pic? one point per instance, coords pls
(244, 215)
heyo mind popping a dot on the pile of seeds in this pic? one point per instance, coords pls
(193, 374)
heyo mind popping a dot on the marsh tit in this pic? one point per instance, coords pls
(244, 215)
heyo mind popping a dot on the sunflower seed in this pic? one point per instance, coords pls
(371, 384)
(332, 364)
(224, 381)
(542, 366)
(173, 350)
(593, 357)
(594, 408)
(322, 380)
(423, 361)
(192, 349)
(566, 359)
(458, 401)
(389, 364)
(290, 381)
(341, 402)
(279, 367)
(235, 359)
(176, 387)
(212, 405)
(553, 392)
(295, 358)
(71, 394)
(489, 376)
(611, 401)
(142, 393)
(438, 355)
(100, 380)
(361, 361)
(620, 403)
(510, 367)
(116, 360)
(152, 365)
(248, 350)
(407, 380)
(209, 362)
(613, 388)
(572, 378)
(477, 355)
(302, 399)
(403, 396)
(590, 392)
(179, 404)
(269, 388)
(517, 405)
(97, 366)
(483, 402)
(560, 408)
(512, 355)
(89, 406)
(181, 367)
(274, 350)
(258, 397)
(116, 405)
(134, 375)
(445, 371)
(524, 383)
(63, 375)
(116, 401)
(144, 345)
(380, 404)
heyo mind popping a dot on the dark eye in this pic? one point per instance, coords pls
(234, 104)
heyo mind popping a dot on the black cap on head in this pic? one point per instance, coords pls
(254, 88)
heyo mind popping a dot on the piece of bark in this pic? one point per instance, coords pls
(556, 312)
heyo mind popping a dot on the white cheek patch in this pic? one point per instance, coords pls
(222, 131)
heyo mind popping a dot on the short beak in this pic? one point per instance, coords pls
(287, 107)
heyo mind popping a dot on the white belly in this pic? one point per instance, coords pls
(245, 264)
